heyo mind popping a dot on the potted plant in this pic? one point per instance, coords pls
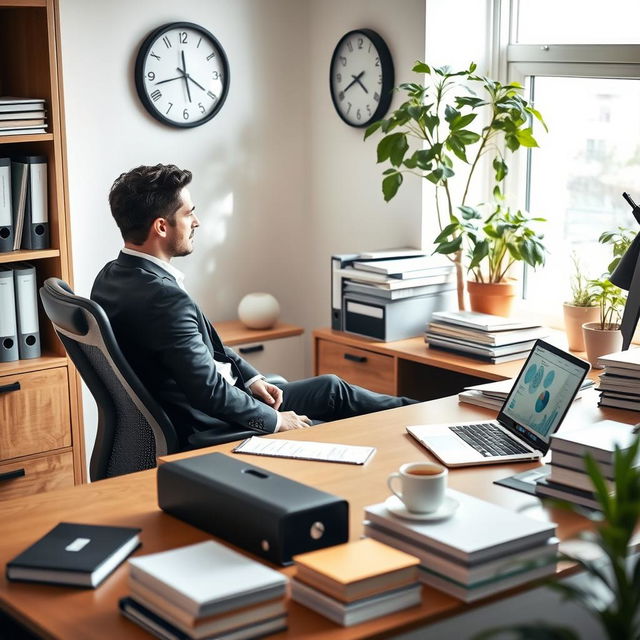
(611, 595)
(582, 307)
(442, 130)
(492, 246)
(604, 336)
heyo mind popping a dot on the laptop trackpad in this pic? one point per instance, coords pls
(447, 443)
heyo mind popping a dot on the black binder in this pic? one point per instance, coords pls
(260, 511)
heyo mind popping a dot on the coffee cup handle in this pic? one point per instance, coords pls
(390, 479)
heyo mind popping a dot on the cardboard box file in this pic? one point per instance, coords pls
(252, 508)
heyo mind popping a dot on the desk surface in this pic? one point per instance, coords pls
(69, 613)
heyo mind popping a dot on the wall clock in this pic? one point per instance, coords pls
(361, 77)
(182, 74)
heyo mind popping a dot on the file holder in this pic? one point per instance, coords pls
(6, 209)
(27, 310)
(8, 326)
(257, 510)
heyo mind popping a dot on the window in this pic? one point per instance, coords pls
(580, 66)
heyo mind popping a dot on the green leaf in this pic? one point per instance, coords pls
(390, 185)
(462, 121)
(467, 137)
(421, 67)
(479, 253)
(497, 193)
(454, 145)
(450, 247)
(469, 213)
(525, 138)
(398, 150)
(450, 114)
(386, 145)
(372, 128)
(512, 141)
(446, 232)
(500, 167)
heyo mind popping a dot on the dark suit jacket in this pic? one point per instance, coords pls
(171, 346)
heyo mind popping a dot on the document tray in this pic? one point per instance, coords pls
(252, 508)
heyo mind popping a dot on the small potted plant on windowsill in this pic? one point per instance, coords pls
(582, 307)
(492, 246)
(604, 336)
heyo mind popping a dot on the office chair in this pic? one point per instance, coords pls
(133, 430)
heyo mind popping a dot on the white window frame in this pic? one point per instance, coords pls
(515, 62)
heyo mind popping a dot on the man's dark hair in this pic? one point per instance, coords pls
(143, 194)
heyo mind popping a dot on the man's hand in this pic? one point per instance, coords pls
(267, 393)
(291, 420)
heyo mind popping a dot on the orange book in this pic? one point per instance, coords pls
(356, 570)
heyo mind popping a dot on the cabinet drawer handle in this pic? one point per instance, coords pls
(350, 356)
(254, 349)
(7, 388)
(9, 475)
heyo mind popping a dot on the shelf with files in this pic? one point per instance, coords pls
(39, 395)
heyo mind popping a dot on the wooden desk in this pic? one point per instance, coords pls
(408, 367)
(69, 613)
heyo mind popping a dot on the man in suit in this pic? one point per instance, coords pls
(170, 344)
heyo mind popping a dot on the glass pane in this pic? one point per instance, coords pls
(578, 22)
(589, 157)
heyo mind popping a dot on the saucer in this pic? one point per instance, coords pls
(445, 510)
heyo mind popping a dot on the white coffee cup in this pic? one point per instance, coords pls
(423, 485)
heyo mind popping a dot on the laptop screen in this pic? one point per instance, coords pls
(542, 394)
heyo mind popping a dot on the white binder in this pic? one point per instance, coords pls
(8, 326)
(24, 281)
(35, 233)
(6, 212)
(19, 175)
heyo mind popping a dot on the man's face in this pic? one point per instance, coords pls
(180, 231)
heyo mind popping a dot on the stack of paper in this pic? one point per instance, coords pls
(481, 550)
(483, 336)
(493, 394)
(620, 382)
(568, 479)
(205, 590)
(357, 581)
(21, 115)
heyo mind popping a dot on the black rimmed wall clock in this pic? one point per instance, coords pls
(361, 77)
(182, 74)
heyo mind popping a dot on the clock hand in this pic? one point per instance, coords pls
(357, 79)
(169, 80)
(194, 82)
(185, 75)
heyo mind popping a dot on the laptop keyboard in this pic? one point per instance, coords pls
(488, 439)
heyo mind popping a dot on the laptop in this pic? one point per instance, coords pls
(531, 413)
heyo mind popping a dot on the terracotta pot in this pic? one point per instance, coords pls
(495, 298)
(598, 342)
(574, 318)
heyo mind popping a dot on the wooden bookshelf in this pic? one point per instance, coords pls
(49, 386)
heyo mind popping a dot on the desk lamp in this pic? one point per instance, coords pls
(627, 276)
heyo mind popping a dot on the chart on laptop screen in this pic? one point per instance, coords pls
(544, 390)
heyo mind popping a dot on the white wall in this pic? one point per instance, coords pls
(280, 182)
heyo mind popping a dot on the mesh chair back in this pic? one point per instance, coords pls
(133, 430)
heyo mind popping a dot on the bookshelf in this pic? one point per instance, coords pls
(41, 433)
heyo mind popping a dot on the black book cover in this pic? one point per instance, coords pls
(71, 548)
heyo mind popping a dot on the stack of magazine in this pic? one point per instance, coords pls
(202, 591)
(357, 581)
(493, 394)
(481, 550)
(568, 479)
(493, 339)
(620, 383)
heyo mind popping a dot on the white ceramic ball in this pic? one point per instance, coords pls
(258, 310)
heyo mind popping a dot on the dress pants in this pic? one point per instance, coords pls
(329, 397)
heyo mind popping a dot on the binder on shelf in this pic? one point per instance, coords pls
(6, 212)
(339, 262)
(24, 282)
(19, 175)
(8, 326)
(35, 231)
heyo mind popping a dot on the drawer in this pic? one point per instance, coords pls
(284, 356)
(36, 475)
(34, 413)
(357, 366)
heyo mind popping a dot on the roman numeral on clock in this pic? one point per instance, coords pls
(211, 55)
(212, 95)
(156, 95)
(167, 42)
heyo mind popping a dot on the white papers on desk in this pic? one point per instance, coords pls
(303, 450)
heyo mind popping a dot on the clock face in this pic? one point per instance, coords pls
(182, 74)
(361, 77)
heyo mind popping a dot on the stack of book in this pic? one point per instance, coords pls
(21, 115)
(568, 479)
(481, 550)
(357, 581)
(493, 394)
(483, 336)
(202, 591)
(389, 295)
(620, 383)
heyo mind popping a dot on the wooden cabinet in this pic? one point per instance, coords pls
(276, 350)
(41, 436)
